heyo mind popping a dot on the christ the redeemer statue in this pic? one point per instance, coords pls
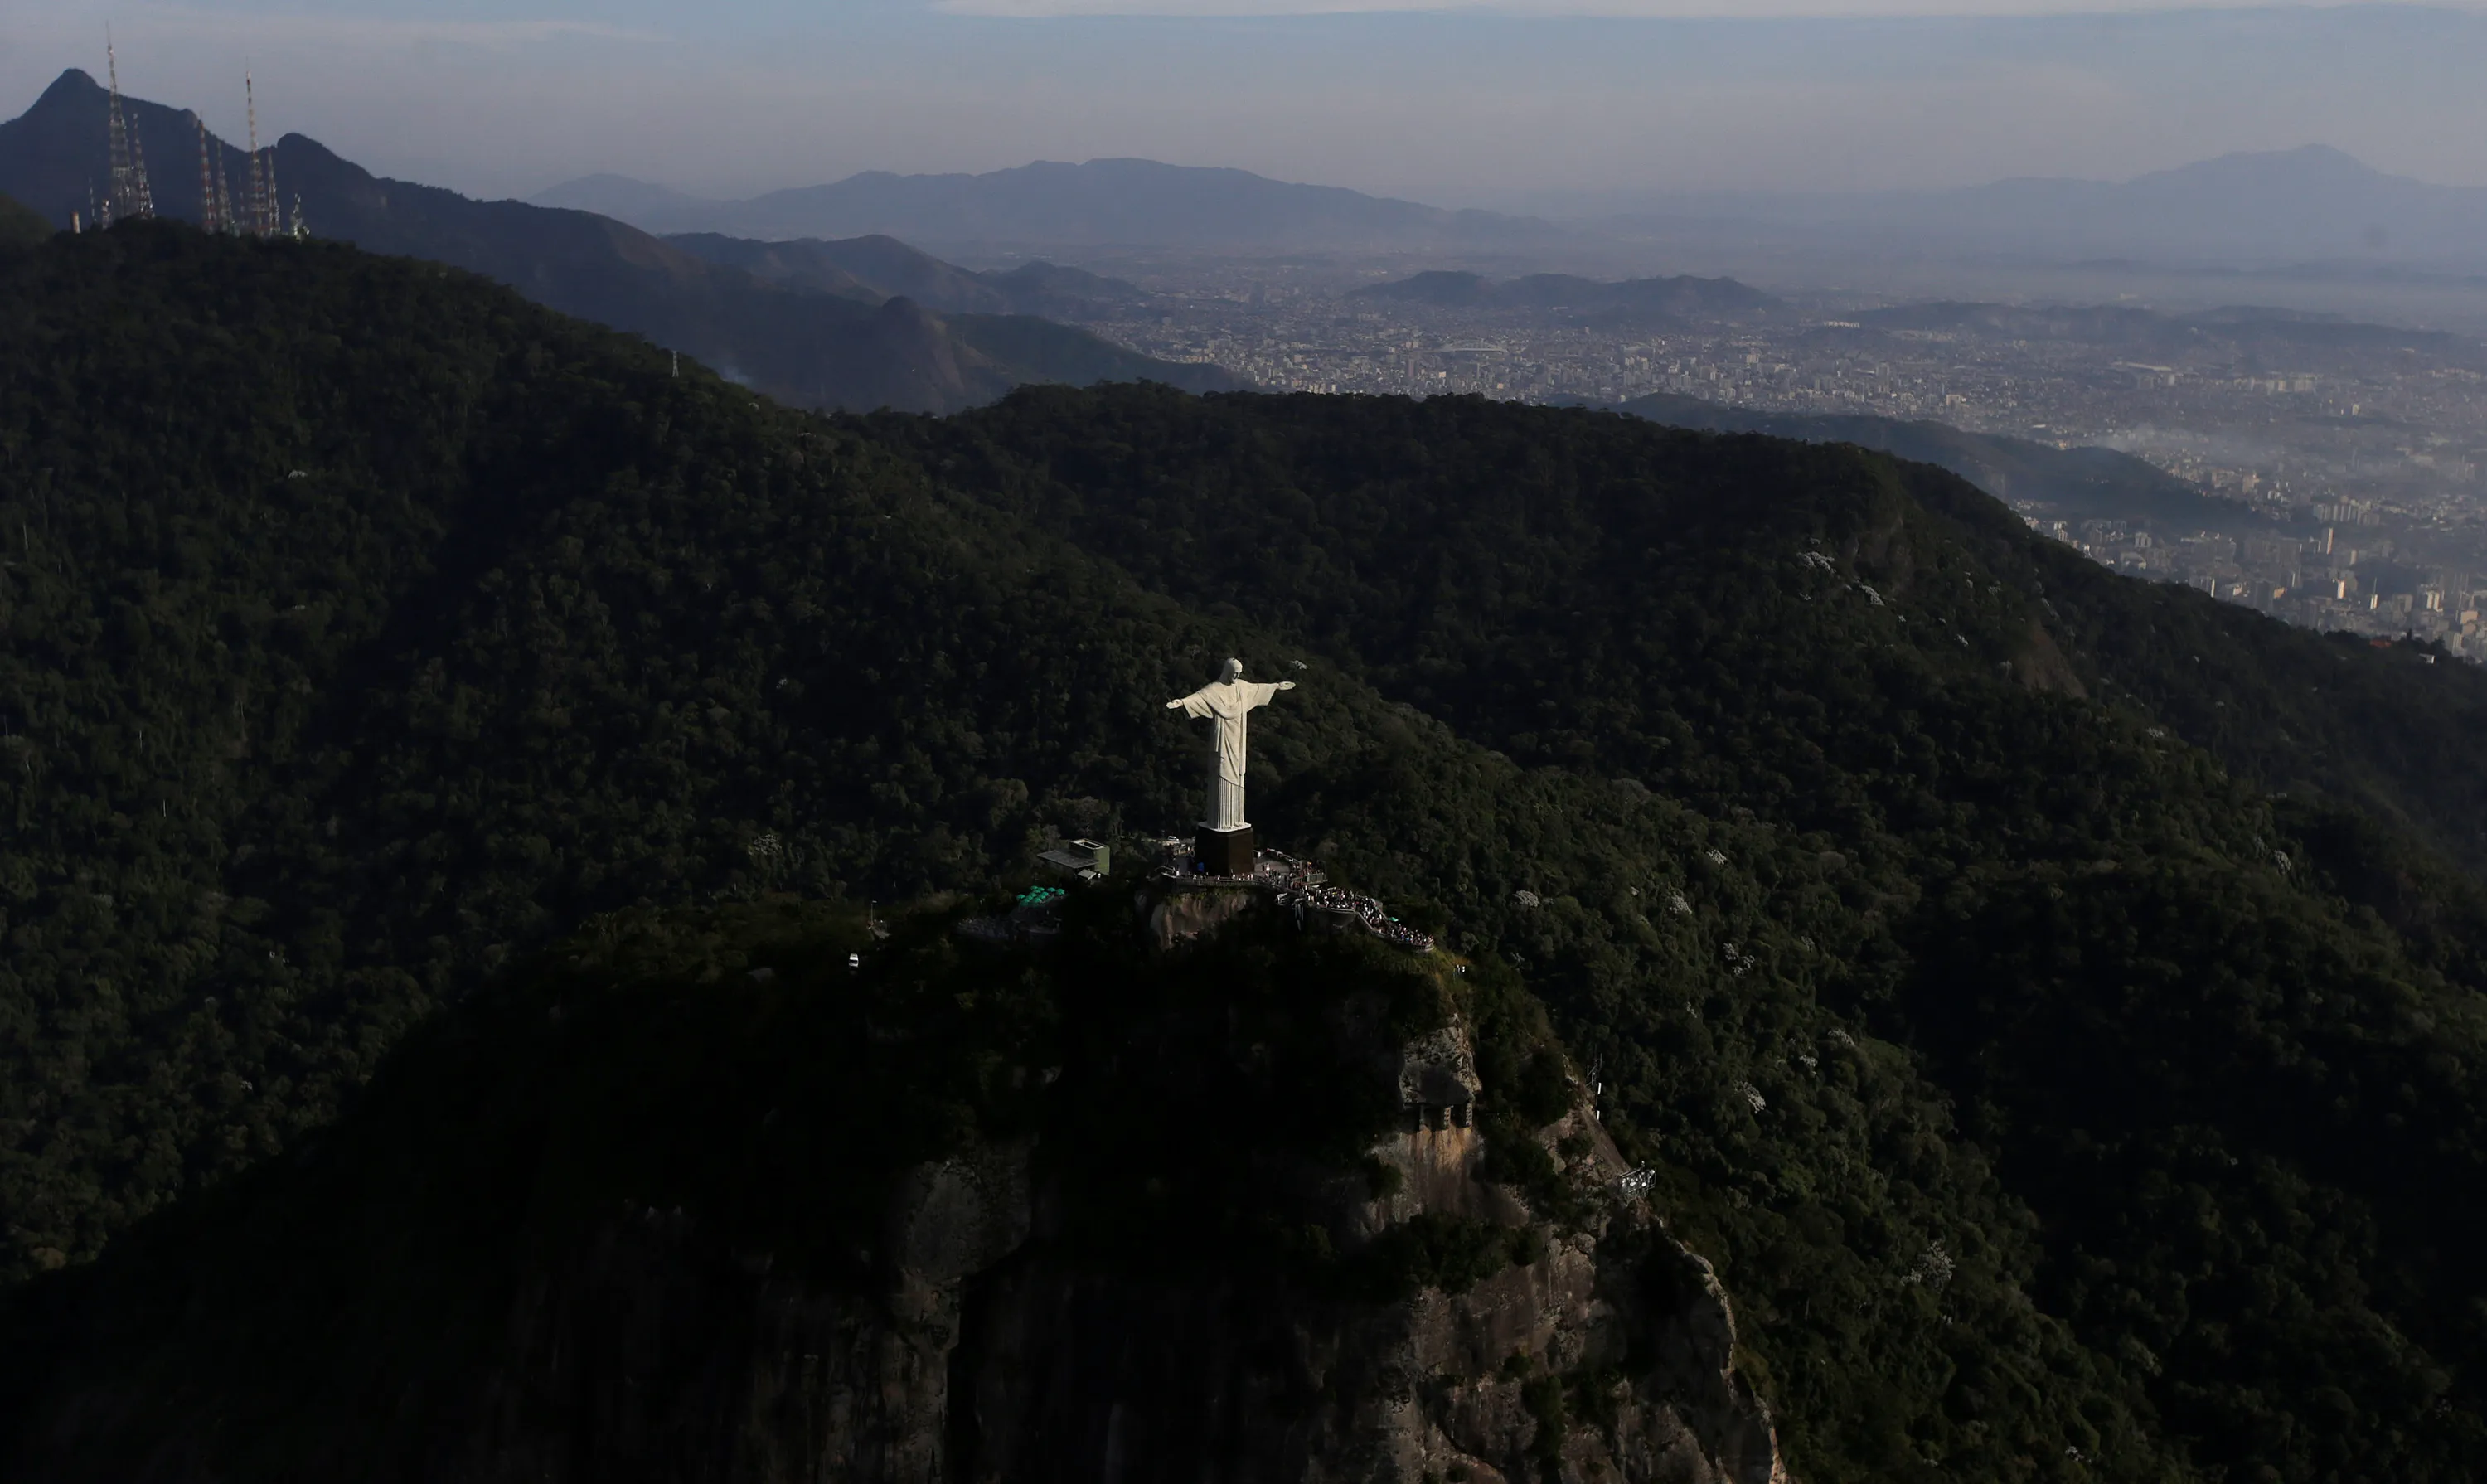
(1225, 843)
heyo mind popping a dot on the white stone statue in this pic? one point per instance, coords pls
(1228, 700)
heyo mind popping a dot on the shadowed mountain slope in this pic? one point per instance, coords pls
(2075, 484)
(878, 267)
(21, 225)
(1355, 561)
(1862, 656)
(811, 350)
(2053, 1100)
(1211, 1138)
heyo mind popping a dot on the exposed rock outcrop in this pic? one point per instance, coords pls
(1176, 917)
(987, 1355)
(1276, 1207)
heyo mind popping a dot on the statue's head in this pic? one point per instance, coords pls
(1234, 670)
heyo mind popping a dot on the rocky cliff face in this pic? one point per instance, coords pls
(991, 1356)
(1194, 1194)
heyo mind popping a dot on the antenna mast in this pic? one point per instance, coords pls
(211, 217)
(261, 208)
(129, 195)
(266, 207)
(138, 174)
(224, 195)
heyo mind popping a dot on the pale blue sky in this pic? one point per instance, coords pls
(1455, 105)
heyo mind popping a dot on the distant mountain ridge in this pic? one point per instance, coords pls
(2309, 204)
(1103, 202)
(2013, 976)
(2314, 199)
(2315, 203)
(878, 267)
(619, 197)
(856, 351)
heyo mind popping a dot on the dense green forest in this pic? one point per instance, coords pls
(1880, 659)
(21, 225)
(1653, 607)
(2081, 483)
(2050, 1000)
(721, 1060)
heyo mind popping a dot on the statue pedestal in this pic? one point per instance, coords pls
(1225, 851)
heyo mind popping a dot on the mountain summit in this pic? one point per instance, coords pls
(2313, 202)
(2261, 208)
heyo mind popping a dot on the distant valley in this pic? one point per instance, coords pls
(2235, 330)
(1640, 304)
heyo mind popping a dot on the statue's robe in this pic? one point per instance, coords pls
(1228, 702)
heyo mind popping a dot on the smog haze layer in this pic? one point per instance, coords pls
(1561, 107)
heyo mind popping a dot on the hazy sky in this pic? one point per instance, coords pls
(1455, 103)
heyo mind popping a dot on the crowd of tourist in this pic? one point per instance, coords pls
(1305, 887)
(1325, 897)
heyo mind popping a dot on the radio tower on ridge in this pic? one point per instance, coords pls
(129, 196)
(212, 212)
(265, 214)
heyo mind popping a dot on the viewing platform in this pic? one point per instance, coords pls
(1292, 884)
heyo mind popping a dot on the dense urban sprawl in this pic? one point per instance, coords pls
(2352, 454)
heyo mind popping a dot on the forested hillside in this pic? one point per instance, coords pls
(1564, 585)
(872, 268)
(21, 225)
(2074, 484)
(533, 1248)
(1880, 660)
(2062, 1066)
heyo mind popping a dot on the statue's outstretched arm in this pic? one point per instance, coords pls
(1286, 685)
